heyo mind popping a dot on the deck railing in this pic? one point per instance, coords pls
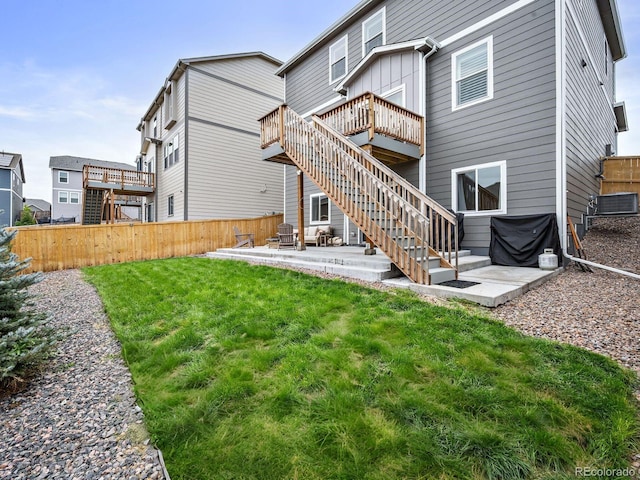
(373, 114)
(404, 223)
(366, 113)
(124, 179)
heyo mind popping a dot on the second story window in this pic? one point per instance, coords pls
(472, 74)
(155, 127)
(373, 32)
(172, 152)
(63, 177)
(63, 197)
(338, 60)
(169, 106)
(74, 197)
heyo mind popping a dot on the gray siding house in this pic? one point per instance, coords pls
(518, 100)
(66, 180)
(201, 139)
(11, 181)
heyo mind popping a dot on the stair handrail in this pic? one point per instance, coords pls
(356, 191)
(423, 201)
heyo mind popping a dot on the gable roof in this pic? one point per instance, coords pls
(38, 204)
(75, 164)
(10, 161)
(347, 17)
(421, 44)
(183, 63)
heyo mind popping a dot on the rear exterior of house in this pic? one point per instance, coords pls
(67, 193)
(518, 101)
(201, 139)
(11, 181)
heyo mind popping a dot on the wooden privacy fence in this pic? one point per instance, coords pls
(77, 246)
(621, 175)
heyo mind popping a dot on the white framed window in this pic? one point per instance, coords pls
(320, 209)
(63, 197)
(480, 189)
(74, 197)
(63, 177)
(172, 152)
(338, 59)
(170, 205)
(606, 57)
(472, 74)
(396, 95)
(374, 31)
(169, 105)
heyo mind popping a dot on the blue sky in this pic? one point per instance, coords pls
(77, 75)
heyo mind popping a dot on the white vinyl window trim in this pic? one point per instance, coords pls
(396, 95)
(63, 197)
(318, 202)
(63, 177)
(338, 59)
(374, 31)
(472, 74)
(74, 197)
(480, 184)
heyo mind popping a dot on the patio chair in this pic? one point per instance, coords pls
(243, 239)
(286, 237)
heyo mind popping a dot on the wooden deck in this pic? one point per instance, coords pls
(390, 133)
(121, 182)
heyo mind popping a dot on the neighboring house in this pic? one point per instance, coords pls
(11, 181)
(41, 209)
(518, 99)
(201, 139)
(66, 177)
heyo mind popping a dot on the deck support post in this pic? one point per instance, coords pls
(301, 245)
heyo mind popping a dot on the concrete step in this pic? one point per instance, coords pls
(369, 269)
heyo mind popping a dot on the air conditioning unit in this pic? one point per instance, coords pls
(617, 204)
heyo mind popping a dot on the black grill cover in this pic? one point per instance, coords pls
(517, 241)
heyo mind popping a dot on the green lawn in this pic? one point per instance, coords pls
(249, 372)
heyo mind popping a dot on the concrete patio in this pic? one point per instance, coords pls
(494, 286)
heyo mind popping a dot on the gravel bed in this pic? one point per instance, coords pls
(599, 311)
(78, 419)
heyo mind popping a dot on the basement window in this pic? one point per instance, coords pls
(480, 189)
(170, 205)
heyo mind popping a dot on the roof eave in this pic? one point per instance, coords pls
(363, 5)
(613, 28)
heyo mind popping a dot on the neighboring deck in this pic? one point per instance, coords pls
(387, 131)
(120, 182)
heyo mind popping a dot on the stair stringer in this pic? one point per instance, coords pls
(338, 168)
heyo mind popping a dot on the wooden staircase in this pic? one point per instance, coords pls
(414, 231)
(92, 209)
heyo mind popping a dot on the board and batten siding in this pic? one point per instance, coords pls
(389, 72)
(590, 122)
(227, 177)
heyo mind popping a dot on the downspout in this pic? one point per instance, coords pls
(425, 106)
(603, 267)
